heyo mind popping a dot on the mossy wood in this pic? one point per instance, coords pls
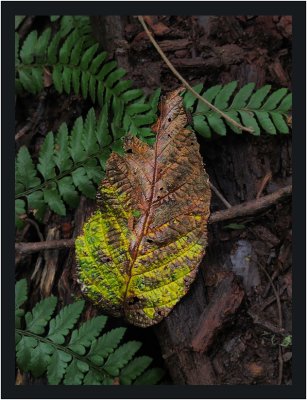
(139, 252)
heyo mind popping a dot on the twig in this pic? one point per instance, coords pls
(267, 303)
(281, 365)
(33, 122)
(280, 359)
(264, 182)
(33, 247)
(242, 210)
(265, 324)
(276, 295)
(25, 231)
(32, 222)
(23, 130)
(220, 196)
(267, 289)
(185, 83)
(251, 207)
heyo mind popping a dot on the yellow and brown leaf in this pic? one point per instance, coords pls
(139, 253)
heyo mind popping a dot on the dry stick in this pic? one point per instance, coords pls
(33, 247)
(33, 223)
(267, 289)
(265, 324)
(242, 210)
(264, 183)
(220, 196)
(23, 130)
(251, 207)
(33, 121)
(280, 360)
(186, 84)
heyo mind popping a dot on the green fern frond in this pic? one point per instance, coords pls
(134, 369)
(105, 345)
(69, 164)
(37, 320)
(258, 109)
(150, 377)
(52, 347)
(77, 65)
(21, 296)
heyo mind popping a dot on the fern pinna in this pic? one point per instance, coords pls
(254, 109)
(68, 164)
(76, 64)
(46, 345)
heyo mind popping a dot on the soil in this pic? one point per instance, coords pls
(231, 327)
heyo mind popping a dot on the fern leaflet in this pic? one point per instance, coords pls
(71, 356)
(76, 64)
(258, 109)
(69, 164)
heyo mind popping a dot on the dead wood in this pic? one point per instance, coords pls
(47, 245)
(224, 303)
(251, 207)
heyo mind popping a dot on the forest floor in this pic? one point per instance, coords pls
(252, 345)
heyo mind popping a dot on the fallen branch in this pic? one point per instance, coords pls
(185, 83)
(33, 247)
(264, 183)
(251, 207)
(242, 210)
(224, 303)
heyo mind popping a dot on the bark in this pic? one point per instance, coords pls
(195, 337)
(186, 334)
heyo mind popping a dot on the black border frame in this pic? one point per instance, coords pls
(295, 8)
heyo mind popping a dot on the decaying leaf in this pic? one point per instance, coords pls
(140, 251)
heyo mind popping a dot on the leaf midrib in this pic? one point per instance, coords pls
(145, 224)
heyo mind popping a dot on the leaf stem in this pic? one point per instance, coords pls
(185, 83)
